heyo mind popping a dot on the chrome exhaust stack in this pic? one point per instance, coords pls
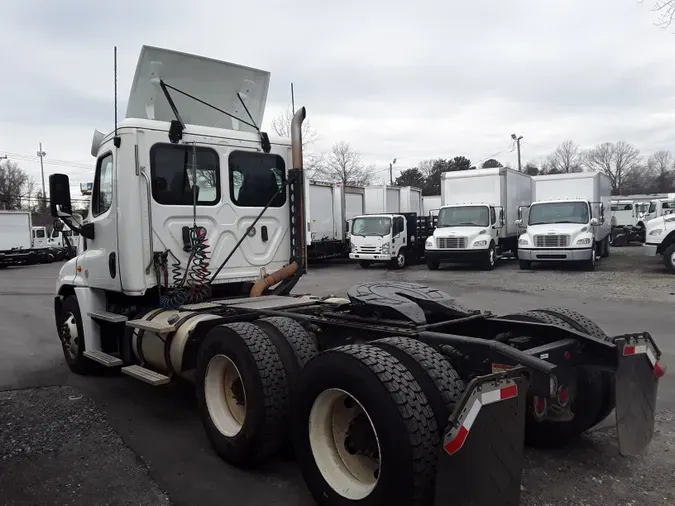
(296, 137)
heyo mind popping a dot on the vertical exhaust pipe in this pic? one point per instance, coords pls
(297, 262)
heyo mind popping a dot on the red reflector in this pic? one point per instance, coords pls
(540, 405)
(658, 370)
(508, 392)
(563, 397)
(629, 350)
(457, 443)
(568, 355)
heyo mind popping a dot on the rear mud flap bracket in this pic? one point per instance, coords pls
(482, 458)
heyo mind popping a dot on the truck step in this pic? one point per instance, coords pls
(146, 375)
(102, 358)
(107, 316)
(150, 326)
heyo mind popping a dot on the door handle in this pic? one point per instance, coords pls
(112, 264)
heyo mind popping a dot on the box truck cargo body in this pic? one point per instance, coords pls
(566, 221)
(325, 238)
(392, 199)
(476, 222)
(16, 238)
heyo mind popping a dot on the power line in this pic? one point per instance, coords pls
(36, 159)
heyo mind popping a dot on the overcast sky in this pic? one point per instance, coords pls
(411, 80)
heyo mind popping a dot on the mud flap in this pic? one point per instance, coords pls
(482, 458)
(637, 379)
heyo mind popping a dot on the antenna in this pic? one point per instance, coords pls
(292, 99)
(116, 140)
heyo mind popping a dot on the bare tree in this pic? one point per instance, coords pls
(660, 168)
(344, 165)
(665, 10)
(281, 125)
(618, 161)
(13, 185)
(566, 158)
(426, 167)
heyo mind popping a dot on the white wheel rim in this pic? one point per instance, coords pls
(225, 395)
(70, 335)
(672, 258)
(401, 260)
(492, 256)
(352, 475)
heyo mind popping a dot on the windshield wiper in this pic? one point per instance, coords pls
(176, 131)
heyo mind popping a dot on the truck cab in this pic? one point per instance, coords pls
(387, 238)
(465, 233)
(660, 239)
(41, 239)
(563, 230)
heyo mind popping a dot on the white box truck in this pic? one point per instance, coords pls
(566, 222)
(392, 199)
(326, 238)
(660, 239)
(431, 204)
(477, 221)
(16, 240)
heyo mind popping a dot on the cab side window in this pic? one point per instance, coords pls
(493, 216)
(101, 195)
(398, 225)
(255, 178)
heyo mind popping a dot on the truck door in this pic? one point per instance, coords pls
(398, 234)
(100, 263)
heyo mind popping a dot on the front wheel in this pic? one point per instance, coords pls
(400, 261)
(491, 258)
(669, 258)
(71, 334)
(364, 264)
(589, 265)
(525, 265)
(607, 249)
(433, 265)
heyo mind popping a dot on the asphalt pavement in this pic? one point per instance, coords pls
(160, 427)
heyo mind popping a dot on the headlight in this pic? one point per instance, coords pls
(656, 231)
(353, 248)
(385, 248)
(429, 243)
(480, 243)
(584, 241)
(523, 242)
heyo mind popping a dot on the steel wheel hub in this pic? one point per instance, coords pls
(69, 335)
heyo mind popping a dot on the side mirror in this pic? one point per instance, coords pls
(594, 222)
(58, 225)
(59, 195)
(519, 222)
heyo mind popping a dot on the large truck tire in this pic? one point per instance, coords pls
(433, 265)
(669, 258)
(242, 393)
(437, 377)
(71, 334)
(588, 326)
(365, 433)
(607, 248)
(399, 261)
(490, 259)
(586, 405)
(589, 265)
(364, 264)
(525, 265)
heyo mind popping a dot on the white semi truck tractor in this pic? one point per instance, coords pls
(195, 237)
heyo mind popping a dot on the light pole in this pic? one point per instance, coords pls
(42, 154)
(391, 171)
(517, 139)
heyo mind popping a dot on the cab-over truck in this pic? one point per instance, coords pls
(392, 395)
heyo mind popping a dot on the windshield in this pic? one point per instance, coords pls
(371, 226)
(559, 212)
(465, 216)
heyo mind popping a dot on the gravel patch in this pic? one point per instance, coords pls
(56, 448)
(592, 473)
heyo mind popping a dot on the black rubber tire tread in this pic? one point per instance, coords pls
(553, 434)
(524, 265)
(364, 264)
(438, 378)
(588, 326)
(304, 346)
(667, 254)
(487, 266)
(433, 265)
(267, 391)
(81, 364)
(400, 411)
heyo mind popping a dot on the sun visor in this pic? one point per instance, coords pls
(212, 81)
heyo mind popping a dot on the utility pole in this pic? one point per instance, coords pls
(42, 154)
(517, 139)
(391, 171)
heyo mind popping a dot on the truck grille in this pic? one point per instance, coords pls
(452, 242)
(551, 241)
(368, 249)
